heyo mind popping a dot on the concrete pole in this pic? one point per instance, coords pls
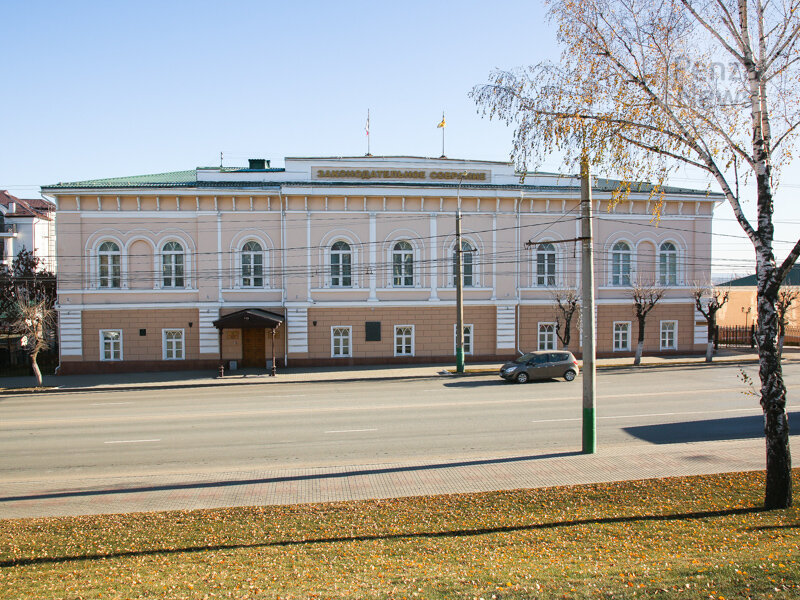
(459, 276)
(587, 311)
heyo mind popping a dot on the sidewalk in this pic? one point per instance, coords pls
(197, 490)
(188, 379)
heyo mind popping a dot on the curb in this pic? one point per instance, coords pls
(443, 373)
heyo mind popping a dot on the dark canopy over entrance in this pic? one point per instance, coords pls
(247, 320)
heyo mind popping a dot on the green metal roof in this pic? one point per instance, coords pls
(792, 278)
(171, 179)
(188, 179)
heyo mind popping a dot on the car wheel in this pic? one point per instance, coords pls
(522, 377)
(569, 375)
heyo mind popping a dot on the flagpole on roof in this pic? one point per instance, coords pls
(367, 130)
(442, 126)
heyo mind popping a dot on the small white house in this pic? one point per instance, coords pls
(30, 225)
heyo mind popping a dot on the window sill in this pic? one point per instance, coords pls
(339, 289)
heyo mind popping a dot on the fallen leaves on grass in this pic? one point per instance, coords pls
(698, 537)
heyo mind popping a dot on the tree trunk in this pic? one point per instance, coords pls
(712, 322)
(640, 344)
(780, 344)
(778, 492)
(36, 371)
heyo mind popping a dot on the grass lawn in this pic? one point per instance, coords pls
(695, 537)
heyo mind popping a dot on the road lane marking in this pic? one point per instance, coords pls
(349, 430)
(293, 410)
(667, 414)
(109, 403)
(131, 441)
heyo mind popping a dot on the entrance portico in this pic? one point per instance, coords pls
(253, 322)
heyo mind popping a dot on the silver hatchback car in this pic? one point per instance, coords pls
(545, 364)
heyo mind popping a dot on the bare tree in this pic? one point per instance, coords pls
(645, 87)
(786, 298)
(707, 301)
(568, 302)
(34, 322)
(645, 297)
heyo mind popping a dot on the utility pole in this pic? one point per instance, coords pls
(587, 308)
(459, 281)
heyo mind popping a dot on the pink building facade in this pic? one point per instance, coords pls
(357, 256)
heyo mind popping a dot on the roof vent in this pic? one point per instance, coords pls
(258, 163)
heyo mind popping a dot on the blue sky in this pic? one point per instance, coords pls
(104, 89)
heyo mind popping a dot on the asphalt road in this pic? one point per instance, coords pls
(68, 437)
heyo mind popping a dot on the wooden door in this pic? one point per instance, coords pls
(254, 352)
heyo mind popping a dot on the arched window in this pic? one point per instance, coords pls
(172, 265)
(668, 264)
(546, 265)
(402, 265)
(252, 265)
(621, 264)
(108, 265)
(467, 264)
(341, 265)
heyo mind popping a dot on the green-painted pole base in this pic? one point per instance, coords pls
(459, 360)
(589, 431)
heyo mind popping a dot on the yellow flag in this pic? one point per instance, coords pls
(442, 124)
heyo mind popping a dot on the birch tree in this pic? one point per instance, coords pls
(708, 301)
(646, 87)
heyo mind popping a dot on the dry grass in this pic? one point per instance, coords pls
(696, 537)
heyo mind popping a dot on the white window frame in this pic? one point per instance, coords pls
(403, 265)
(103, 357)
(336, 341)
(662, 331)
(472, 252)
(469, 338)
(615, 338)
(252, 254)
(543, 279)
(165, 344)
(341, 254)
(395, 340)
(625, 276)
(169, 263)
(550, 336)
(108, 257)
(671, 258)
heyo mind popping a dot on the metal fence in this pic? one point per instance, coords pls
(736, 336)
(745, 337)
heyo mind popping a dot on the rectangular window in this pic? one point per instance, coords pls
(109, 271)
(621, 268)
(467, 338)
(546, 269)
(110, 344)
(547, 336)
(622, 336)
(172, 344)
(341, 342)
(669, 335)
(172, 270)
(341, 270)
(404, 340)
